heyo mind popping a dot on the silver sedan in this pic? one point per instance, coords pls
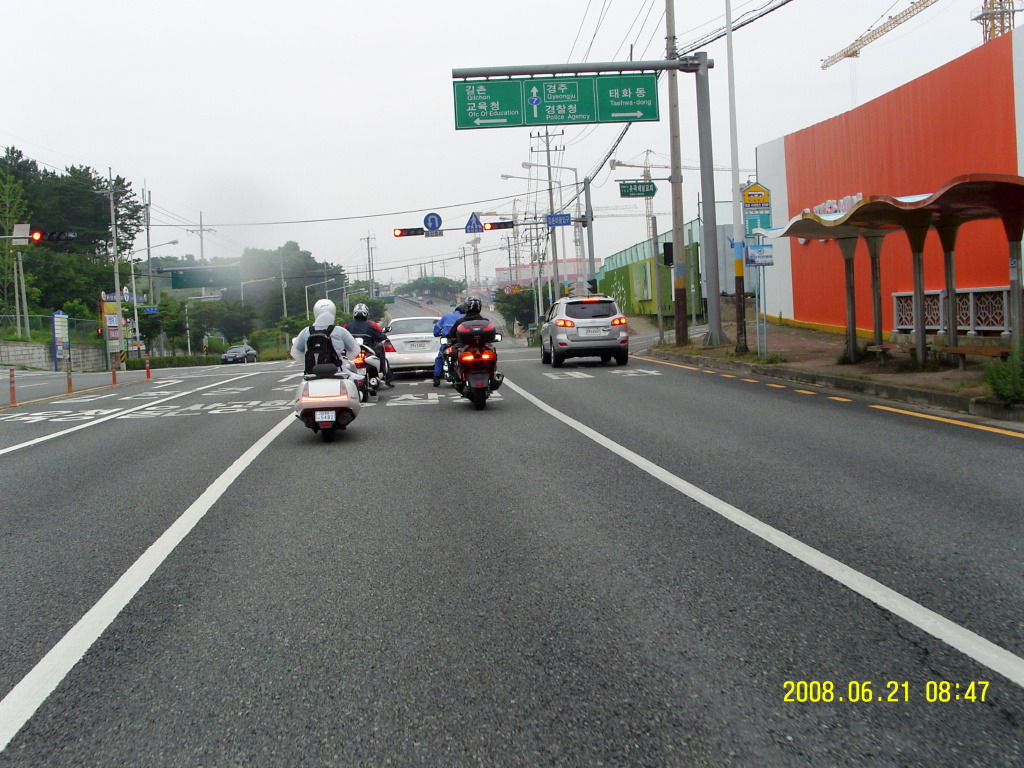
(415, 345)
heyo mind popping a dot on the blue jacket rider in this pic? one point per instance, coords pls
(442, 328)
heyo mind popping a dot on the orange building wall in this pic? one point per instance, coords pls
(954, 120)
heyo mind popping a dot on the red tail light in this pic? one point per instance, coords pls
(360, 359)
(468, 357)
(486, 355)
(565, 323)
(619, 321)
(388, 346)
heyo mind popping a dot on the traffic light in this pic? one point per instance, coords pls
(39, 236)
(592, 285)
(498, 225)
(409, 232)
(670, 258)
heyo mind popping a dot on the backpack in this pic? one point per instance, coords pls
(320, 348)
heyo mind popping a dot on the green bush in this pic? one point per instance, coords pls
(180, 361)
(1007, 379)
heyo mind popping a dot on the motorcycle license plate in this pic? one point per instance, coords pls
(593, 331)
(325, 416)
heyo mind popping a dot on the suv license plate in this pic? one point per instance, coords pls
(325, 416)
(593, 331)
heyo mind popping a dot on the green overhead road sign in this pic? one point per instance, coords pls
(556, 101)
(637, 189)
(206, 277)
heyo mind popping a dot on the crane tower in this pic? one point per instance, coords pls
(996, 17)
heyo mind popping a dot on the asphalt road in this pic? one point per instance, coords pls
(608, 566)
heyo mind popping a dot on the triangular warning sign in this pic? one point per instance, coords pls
(474, 224)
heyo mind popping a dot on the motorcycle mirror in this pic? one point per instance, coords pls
(497, 337)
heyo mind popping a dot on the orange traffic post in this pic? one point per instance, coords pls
(14, 400)
(70, 390)
(148, 377)
(113, 375)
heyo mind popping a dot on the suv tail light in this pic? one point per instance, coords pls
(565, 323)
(388, 346)
(619, 321)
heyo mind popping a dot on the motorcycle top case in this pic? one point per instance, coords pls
(476, 332)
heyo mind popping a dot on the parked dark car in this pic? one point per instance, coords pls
(240, 353)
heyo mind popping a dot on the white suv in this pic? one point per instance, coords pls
(590, 326)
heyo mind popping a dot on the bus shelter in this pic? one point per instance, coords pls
(961, 200)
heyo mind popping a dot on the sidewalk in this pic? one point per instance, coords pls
(811, 357)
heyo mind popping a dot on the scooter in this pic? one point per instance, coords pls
(368, 366)
(476, 373)
(327, 399)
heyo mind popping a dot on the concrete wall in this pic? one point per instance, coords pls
(39, 355)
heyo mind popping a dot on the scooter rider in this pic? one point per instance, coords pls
(473, 307)
(360, 325)
(344, 344)
(442, 328)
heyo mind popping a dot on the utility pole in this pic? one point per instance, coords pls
(148, 197)
(284, 297)
(737, 206)
(117, 273)
(24, 297)
(676, 178)
(369, 261)
(551, 205)
(201, 230)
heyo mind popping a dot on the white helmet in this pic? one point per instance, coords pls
(324, 305)
(361, 312)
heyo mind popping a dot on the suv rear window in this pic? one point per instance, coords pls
(583, 310)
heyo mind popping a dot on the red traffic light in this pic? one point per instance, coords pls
(498, 225)
(408, 232)
(38, 236)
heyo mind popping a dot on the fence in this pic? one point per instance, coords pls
(980, 311)
(40, 328)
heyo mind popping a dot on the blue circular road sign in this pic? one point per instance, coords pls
(534, 100)
(432, 221)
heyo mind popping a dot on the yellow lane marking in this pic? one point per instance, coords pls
(705, 370)
(804, 392)
(957, 422)
(776, 386)
(841, 399)
(665, 362)
(752, 381)
(728, 376)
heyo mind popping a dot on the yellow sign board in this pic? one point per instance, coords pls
(757, 196)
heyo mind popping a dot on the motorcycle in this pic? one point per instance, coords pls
(368, 366)
(476, 373)
(327, 399)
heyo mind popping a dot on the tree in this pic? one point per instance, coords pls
(13, 210)
(429, 285)
(521, 307)
(235, 319)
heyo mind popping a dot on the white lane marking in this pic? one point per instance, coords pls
(25, 698)
(84, 425)
(964, 640)
(289, 378)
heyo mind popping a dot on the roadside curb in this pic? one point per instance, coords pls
(912, 395)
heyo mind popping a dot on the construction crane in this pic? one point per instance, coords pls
(853, 49)
(996, 17)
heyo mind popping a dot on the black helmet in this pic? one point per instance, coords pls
(473, 304)
(361, 312)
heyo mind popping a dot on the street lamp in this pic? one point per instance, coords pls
(588, 221)
(135, 298)
(241, 285)
(322, 282)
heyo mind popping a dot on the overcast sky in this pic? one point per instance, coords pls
(259, 111)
